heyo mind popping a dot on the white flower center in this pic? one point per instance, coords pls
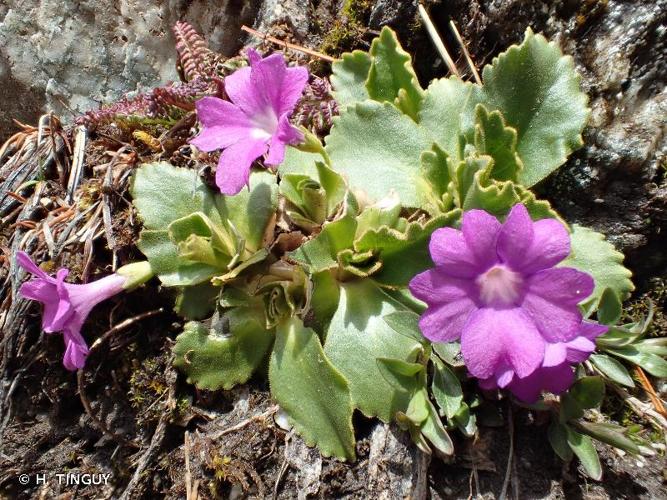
(499, 286)
(266, 124)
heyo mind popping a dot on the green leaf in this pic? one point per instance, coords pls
(391, 77)
(653, 346)
(437, 187)
(400, 374)
(405, 323)
(390, 155)
(557, 434)
(172, 269)
(466, 421)
(652, 363)
(609, 308)
(570, 408)
(300, 162)
(592, 254)
(588, 391)
(250, 212)
(321, 252)
(350, 73)
(357, 337)
(612, 369)
(418, 408)
(446, 389)
(435, 432)
(494, 138)
(225, 355)
(163, 193)
(324, 299)
(537, 90)
(613, 435)
(196, 302)
(448, 113)
(334, 186)
(449, 352)
(583, 447)
(404, 253)
(311, 390)
(200, 240)
(476, 190)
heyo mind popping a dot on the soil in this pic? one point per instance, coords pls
(130, 415)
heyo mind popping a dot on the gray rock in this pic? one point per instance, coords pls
(69, 56)
(396, 468)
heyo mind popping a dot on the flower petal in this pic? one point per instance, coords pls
(555, 379)
(84, 297)
(76, 351)
(436, 287)
(554, 354)
(564, 285)
(592, 330)
(515, 237)
(480, 231)
(292, 88)
(557, 321)
(234, 165)
(551, 244)
(286, 134)
(224, 124)
(46, 293)
(64, 310)
(452, 254)
(267, 83)
(241, 92)
(579, 349)
(24, 260)
(444, 323)
(493, 338)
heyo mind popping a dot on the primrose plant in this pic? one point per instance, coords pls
(379, 267)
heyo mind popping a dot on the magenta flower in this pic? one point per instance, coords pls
(556, 374)
(495, 287)
(66, 306)
(263, 97)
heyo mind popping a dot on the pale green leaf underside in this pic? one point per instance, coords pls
(163, 193)
(377, 149)
(311, 390)
(357, 337)
(448, 113)
(349, 77)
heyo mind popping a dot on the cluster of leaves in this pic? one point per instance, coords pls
(308, 271)
(169, 101)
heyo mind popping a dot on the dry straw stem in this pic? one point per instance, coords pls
(286, 44)
(437, 41)
(466, 54)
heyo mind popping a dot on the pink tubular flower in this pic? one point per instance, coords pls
(263, 97)
(495, 287)
(66, 305)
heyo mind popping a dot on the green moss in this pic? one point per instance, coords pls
(347, 31)
(147, 386)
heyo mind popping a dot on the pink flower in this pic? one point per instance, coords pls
(263, 97)
(495, 287)
(556, 374)
(66, 306)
